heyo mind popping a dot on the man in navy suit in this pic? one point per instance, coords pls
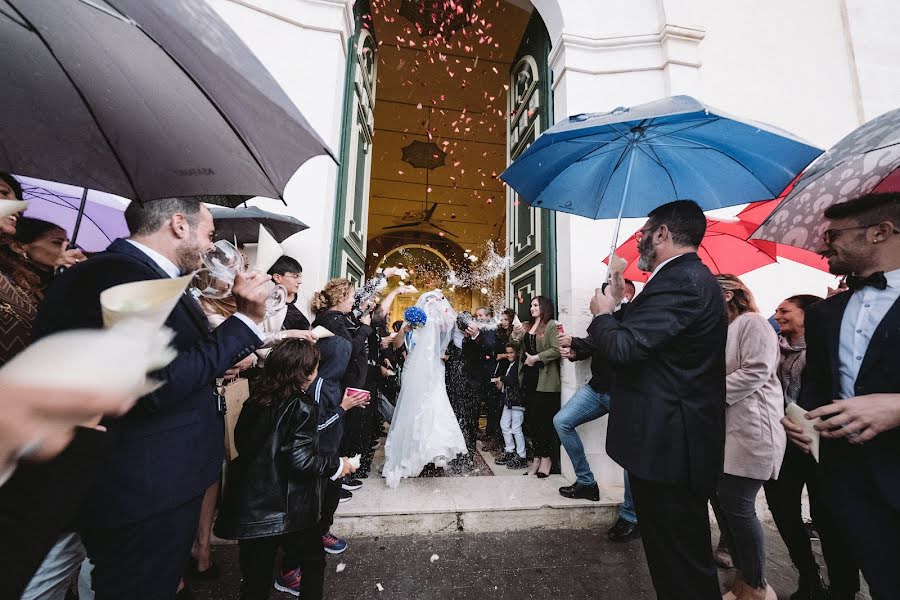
(139, 515)
(667, 409)
(852, 381)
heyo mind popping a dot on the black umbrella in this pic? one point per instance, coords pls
(144, 99)
(242, 224)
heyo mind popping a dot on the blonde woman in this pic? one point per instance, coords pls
(754, 440)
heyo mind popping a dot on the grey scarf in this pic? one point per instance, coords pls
(793, 359)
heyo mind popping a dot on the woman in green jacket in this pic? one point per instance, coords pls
(539, 378)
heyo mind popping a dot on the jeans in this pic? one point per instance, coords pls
(51, 581)
(584, 406)
(737, 499)
(511, 424)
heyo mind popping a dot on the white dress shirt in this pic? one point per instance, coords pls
(865, 310)
(172, 270)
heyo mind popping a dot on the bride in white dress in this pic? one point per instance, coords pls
(424, 428)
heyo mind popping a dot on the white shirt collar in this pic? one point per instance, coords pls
(662, 264)
(893, 278)
(164, 263)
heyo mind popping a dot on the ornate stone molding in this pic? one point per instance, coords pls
(670, 45)
(328, 16)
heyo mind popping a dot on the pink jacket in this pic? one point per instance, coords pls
(754, 438)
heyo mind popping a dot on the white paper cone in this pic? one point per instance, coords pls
(11, 207)
(798, 417)
(321, 333)
(267, 251)
(149, 301)
(114, 360)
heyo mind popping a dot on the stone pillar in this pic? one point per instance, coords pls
(303, 43)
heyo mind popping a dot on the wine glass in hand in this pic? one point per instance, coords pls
(221, 266)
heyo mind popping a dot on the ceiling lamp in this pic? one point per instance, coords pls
(424, 155)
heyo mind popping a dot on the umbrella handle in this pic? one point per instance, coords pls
(72, 245)
(615, 239)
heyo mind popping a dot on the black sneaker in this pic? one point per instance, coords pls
(517, 462)
(350, 484)
(623, 531)
(579, 491)
(504, 458)
(346, 496)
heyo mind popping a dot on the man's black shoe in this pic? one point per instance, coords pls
(623, 531)
(811, 590)
(579, 491)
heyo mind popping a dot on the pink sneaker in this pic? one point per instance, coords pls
(289, 581)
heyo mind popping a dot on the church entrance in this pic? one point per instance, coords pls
(442, 95)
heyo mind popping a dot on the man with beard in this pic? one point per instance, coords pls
(136, 502)
(852, 382)
(667, 415)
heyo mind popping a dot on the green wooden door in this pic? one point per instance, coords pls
(531, 232)
(348, 257)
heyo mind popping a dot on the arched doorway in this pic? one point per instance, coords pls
(463, 88)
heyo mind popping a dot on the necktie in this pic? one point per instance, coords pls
(876, 280)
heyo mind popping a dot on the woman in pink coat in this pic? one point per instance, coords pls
(754, 438)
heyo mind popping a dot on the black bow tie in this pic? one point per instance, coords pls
(876, 280)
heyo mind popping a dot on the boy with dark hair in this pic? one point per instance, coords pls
(513, 411)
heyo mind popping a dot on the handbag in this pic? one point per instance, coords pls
(235, 393)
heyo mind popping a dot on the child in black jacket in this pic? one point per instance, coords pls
(513, 411)
(273, 488)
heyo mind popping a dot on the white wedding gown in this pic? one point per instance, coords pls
(424, 428)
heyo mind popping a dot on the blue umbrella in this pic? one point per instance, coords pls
(627, 162)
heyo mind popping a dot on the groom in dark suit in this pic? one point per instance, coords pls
(852, 380)
(140, 514)
(667, 409)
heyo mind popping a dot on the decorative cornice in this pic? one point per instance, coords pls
(671, 45)
(344, 25)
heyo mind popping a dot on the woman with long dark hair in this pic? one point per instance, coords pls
(540, 382)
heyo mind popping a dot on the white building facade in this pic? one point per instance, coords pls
(818, 68)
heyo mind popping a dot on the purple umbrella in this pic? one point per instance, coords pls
(103, 219)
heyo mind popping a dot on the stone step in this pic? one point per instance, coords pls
(445, 505)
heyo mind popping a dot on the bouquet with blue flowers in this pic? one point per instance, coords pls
(415, 317)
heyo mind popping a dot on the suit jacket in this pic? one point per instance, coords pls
(168, 449)
(480, 356)
(879, 373)
(667, 409)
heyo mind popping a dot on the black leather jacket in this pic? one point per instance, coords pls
(275, 484)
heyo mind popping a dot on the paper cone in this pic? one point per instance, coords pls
(114, 360)
(267, 251)
(148, 301)
(321, 333)
(798, 417)
(11, 207)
